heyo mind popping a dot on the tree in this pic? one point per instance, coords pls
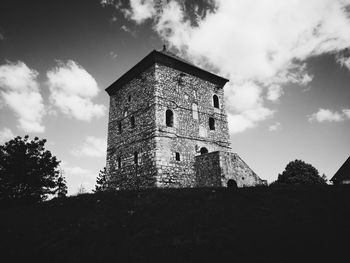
(81, 190)
(300, 173)
(28, 171)
(101, 181)
(61, 185)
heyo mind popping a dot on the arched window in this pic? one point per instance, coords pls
(120, 127)
(211, 123)
(216, 101)
(231, 184)
(132, 121)
(169, 116)
(177, 156)
(204, 150)
(119, 162)
(136, 158)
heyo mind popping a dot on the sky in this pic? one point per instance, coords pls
(288, 63)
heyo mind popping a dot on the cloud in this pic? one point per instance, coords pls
(140, 10)
(274, 92)
(76, 170)
(263, 42)
(20, 92)
(5, 135)
(275, 127)
(344, 59)
(71, 91)
(323, 115)
(128, 30)
(346, 113)
(245, 106)
(77, 176)
(92, 147)
(113, 54)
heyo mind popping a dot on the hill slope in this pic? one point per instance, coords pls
(182, 225)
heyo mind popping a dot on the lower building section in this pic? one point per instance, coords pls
(222, 169)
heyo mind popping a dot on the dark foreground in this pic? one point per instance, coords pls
(186, 225)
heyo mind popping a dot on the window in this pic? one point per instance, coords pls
(204, 150)
(211, 123)
(132, 121)
(216, 101)
(120, 127)
(136, 158)
(129, 98)
(195, 111)
(119, 162)
(169, 116)
(177, 156)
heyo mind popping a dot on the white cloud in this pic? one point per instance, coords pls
(113, 54)
(140, 10)
(76, 170)
(264, 42)
(274, 92)
(344, 61)
(92, 147)
(128, 30)
(20, 92)
(323, 115)
(72, 89)
(346, 113)
(5, 135)
(77, 176)
(245, 106)
(275, 127)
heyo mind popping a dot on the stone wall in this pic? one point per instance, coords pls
(179, 92)
(217, 168)
(136, 99)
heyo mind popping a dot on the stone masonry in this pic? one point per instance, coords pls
(168, 128)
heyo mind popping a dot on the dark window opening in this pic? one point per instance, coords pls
(169, 116)
(129, 98)
(119, 162)
(132, 121)
(120, 127)
(136, 158)
(204, 150)
(216, 101)
(211, 123)
(231, 184)
(177, 156)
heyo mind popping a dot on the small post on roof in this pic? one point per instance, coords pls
(164, 47)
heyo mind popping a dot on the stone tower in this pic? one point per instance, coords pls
(168, 128)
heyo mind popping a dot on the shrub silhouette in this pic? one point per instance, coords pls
(299, 173)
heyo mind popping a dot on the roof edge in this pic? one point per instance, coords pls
(167, 60)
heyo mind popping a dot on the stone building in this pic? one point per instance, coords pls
(168, 128)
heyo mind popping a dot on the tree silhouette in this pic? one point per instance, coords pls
(300, 173)
(28, 171)
(101, 181)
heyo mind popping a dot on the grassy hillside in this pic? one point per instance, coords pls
(182, 225)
